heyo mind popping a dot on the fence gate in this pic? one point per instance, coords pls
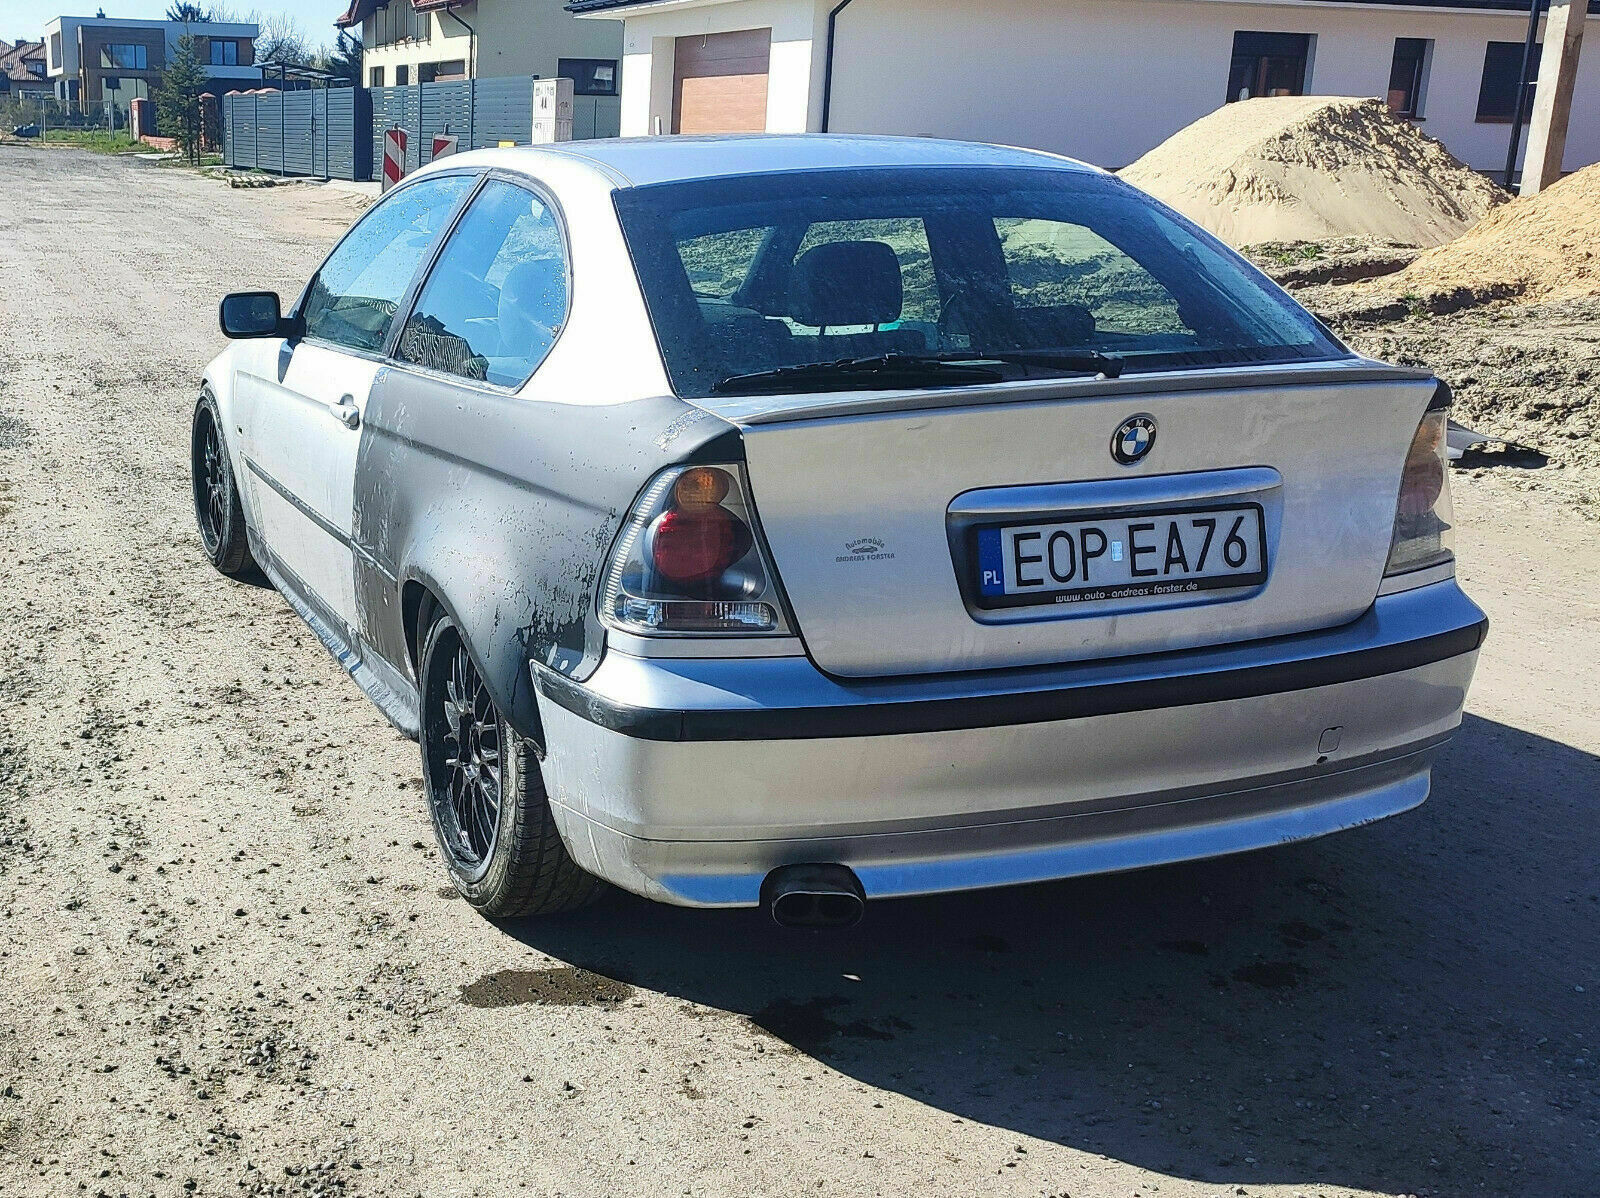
(321, 133)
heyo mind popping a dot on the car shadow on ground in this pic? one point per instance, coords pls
(1399, 1008)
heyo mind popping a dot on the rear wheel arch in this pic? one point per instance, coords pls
(497, 833)
(422, 598)
(416, 608)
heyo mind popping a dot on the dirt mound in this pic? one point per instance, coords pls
(1544, 246)
(1529, 373)
(1309, 168)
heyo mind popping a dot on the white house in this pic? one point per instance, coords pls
(426, 41)
(1101, 80)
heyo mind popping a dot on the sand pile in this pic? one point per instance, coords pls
(1307, 168)
(1542, 247)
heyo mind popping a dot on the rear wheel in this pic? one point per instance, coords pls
(486, 795)
(217, 509)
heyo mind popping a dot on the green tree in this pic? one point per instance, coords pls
(178, 99)
(343, 61)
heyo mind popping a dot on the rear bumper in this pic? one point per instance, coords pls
(688, 780)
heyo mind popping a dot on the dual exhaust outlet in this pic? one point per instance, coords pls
(818, 897)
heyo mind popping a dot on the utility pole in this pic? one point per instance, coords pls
(1520, 111)
(1552, 101)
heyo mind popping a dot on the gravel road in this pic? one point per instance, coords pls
(228, 965)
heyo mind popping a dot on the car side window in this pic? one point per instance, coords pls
(353, 299)
(496, 299)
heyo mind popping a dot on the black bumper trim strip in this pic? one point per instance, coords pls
(1021, 707)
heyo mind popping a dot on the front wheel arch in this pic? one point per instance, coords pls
(218, 503)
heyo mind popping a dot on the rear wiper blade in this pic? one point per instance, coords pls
(883, 370)
(1109, 365)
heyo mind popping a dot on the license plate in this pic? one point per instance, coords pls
(1134, 556)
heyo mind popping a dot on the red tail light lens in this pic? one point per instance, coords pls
(696, 545)
(689, 560)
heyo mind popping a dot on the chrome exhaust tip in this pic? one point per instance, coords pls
(813, 896)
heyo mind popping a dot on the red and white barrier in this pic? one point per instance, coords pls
(394, 157)
(444, 145)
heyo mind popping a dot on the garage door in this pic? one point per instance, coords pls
(719, 82)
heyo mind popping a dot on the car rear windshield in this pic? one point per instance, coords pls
(756, 273)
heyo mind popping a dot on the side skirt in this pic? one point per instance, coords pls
(392, 694)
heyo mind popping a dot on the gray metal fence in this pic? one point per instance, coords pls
(322, 133)
(338, 133)
(480, 112)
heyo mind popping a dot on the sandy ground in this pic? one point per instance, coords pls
(227, 965)
(1524, 371)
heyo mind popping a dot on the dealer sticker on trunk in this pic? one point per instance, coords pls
(1135, 556)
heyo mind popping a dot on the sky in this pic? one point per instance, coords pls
(26, 18)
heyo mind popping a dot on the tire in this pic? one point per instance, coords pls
(491, 819)
(217, 509)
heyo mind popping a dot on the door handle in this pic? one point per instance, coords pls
(349, 415)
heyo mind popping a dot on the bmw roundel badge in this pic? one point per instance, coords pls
(1134, 438)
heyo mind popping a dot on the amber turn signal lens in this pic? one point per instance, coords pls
(700, 486)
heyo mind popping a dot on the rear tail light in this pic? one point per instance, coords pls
(1423, 522)
(689, 561)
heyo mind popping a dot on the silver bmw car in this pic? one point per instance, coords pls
(801, 521)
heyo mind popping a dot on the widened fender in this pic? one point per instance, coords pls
(497, 617)
(502, 509)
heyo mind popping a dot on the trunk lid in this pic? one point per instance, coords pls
(867, 501)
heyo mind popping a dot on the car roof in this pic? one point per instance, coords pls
(642, 161)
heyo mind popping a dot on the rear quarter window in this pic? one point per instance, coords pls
(717, 264)
(1052, 263)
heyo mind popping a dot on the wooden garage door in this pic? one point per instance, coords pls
(719, 82)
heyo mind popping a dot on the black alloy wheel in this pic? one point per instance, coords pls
(465, 762)
(217, 509)
(486, 798)
(211, 485)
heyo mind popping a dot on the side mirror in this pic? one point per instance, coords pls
(253, 314)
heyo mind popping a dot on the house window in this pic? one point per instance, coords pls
(375, 77)
(590, 76)
(1502, 72)
(402, 76)
(224, 54)
(1406, 75)
(398, 21)
(55, 49)
(1268, 64)
(125, 57)
(454, 68)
